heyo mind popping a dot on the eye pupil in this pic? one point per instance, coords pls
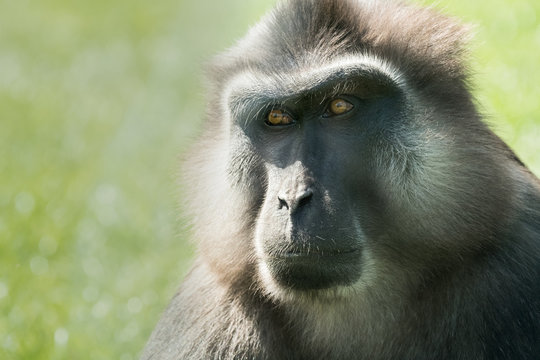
(340, 106)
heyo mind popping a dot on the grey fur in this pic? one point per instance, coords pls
(446, 217)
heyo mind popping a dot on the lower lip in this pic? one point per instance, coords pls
(315, 270)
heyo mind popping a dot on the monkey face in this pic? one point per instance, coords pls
(340, 162)
(344, 166)
(313, 151)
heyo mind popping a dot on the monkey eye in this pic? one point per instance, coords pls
(277, 117)
(338, 107)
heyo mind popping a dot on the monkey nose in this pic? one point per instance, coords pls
(292, 201)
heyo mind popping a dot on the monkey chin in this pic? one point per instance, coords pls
(299, 276)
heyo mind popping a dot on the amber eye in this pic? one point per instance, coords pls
(277, 117)
(339, 107)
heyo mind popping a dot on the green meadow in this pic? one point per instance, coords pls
(98, 102)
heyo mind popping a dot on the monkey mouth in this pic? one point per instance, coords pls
(315, 269)
(299, 253)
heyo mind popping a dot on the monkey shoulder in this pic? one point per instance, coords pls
(511, 284)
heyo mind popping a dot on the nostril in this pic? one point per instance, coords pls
(293, 203)
(303, 198)
(283, 203)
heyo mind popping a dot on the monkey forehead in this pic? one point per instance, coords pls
(256, 86)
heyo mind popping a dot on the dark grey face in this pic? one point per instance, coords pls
(314, 147)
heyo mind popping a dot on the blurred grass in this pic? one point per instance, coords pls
(97, 99)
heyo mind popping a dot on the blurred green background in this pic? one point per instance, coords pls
(97, 101)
